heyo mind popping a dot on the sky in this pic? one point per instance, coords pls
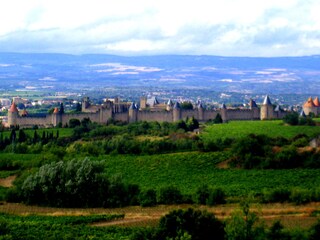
(151, 27)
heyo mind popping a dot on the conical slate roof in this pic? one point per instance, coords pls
(302, 114)
(252, 103)
(176, 105)
(267, 101)
(223, 106)
(13, 108)
(309, 103)
(170, 103)
(278, 108)
(132, 106)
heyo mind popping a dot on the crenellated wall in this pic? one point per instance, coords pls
(102, 113)
(161, 116)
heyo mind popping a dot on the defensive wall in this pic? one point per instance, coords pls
(125, 112)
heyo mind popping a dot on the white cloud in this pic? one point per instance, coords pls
(229, 27)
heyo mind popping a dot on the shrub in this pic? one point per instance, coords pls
(300, 196)
(202, 194)
(216, 196)
(200, 225)
(148, 198)
(170, 195)
(276, 195)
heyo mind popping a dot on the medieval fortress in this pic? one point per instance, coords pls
(152, 110)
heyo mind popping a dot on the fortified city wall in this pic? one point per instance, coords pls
(120, 111)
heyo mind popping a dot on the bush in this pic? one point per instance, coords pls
(202, 194)
(148, 198)
(300, 196)
(276, 195)
(170, 195)
(216, 196)
(200, 225)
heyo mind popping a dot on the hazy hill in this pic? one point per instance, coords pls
(235, 74)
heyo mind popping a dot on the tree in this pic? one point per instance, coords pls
(200, 225)
(241, 225)
(74, 123)
(291, 119)
(148, 198)
(22, 136)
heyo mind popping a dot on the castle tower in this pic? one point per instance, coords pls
(133, 113)
(13, 115)
(310, 107)
(169, 105)
(56, 117)
(143, 102)
(266, 109)
(200, 112)
(255, 110)
(316, 102)
(223, 112)
(176, 112)
(85, 104)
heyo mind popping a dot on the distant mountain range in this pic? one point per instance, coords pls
(279, 75)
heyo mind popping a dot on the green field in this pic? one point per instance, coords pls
(188, 171)
(276, 128)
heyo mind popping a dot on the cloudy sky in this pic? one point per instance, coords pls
(145, 27)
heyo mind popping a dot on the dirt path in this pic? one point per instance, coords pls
(8, 181)
(289, 214)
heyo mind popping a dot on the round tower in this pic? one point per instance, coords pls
(223, 112)
(56, 117)
(176, 112)
(200, 112)
(310, 107)
(266, 109)
(133, 113)
(13, 115)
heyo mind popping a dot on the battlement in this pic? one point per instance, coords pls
(130, 112)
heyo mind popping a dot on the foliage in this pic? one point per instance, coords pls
(148, 198)
(198, 224)
(61, 227)
(243, 225)
(75, 184)
(170, 195)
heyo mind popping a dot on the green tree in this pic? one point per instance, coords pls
(242, 225)
(181, 224)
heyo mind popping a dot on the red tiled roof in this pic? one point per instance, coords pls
(13, 108)
(316, 102)
(309, 103)
(56, 110)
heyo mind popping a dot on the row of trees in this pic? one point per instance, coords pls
(243, 224)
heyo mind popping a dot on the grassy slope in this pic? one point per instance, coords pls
(189, 170)
(237, 129)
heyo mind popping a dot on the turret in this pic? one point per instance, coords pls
(143, 102)
(85, 104)
(56, 117)
(255, 110)
(310, 107)
(176, 112)
(223, 112)
(266, 109)
(13, 115)
(169, 105)
(200, 112)
(133, 113)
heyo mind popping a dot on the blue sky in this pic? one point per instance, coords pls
(149, 27)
